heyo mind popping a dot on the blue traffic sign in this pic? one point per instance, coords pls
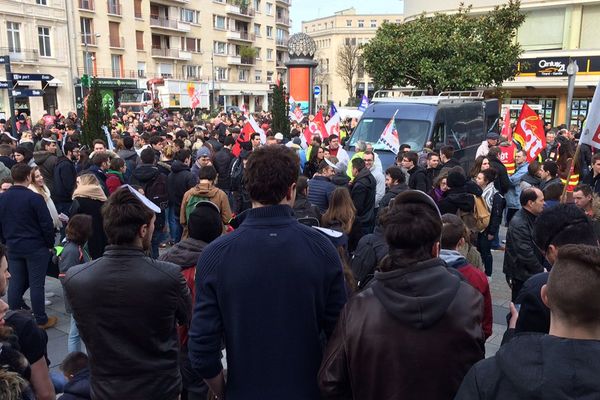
(28, 93)
(317, 90)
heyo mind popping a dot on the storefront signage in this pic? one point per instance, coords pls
(116, 83)
(557, 66)
(552, 67)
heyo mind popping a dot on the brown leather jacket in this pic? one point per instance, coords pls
(413, 334)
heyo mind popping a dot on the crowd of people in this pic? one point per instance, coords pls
(183, 241)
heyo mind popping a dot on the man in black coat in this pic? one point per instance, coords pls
(65, 179)
(417, 177)
(395, 183)
(179, 181)
(222, 162)
(522, 259)
(593, 177)
(565, 362)
(502, 183)
(363, 195)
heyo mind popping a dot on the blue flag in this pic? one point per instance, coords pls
(364, 103)
(332, 110)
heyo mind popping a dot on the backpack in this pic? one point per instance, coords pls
(365, 261)
(191, 205)
(237, 173)
(156, 191)
(479, 218)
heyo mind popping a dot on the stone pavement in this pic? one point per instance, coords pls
(57, 336)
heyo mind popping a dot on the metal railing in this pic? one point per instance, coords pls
(281, 42)
(282, 20)
(86, 5)
(113, 7)
(89, 39)
(165, 52)
(163, 22)
(21, 54)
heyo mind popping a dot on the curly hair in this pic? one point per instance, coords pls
(270, 172)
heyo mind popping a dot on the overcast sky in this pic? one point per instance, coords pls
(304, 10)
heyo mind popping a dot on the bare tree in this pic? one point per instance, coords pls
(321, 72)
(348, 57)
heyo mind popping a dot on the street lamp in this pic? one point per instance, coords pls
(87, 54)
(572, 70)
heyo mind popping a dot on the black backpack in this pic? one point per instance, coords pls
(237, 174)
(156, 191)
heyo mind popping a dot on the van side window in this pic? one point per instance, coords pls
(437, 137)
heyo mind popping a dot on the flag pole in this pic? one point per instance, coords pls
(563, 196)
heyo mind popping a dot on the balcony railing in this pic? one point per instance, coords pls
(117, 42)
(247, 60)
(20, 54)
(164, 52)
(283, 20)
(113, 7)
(166, 23)
(236, 9)
(134, 74)
(286, 2)
(86, 5)
(89, 39)
(281, 42)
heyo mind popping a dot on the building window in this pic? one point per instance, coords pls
(269, 76)
(191, 44)
(115, 61)
(257, 30)
(270, 32)
(361, 23)
(258, 52)
(87, 33)
(348, 22)
(257, 5)
(220, 48)
(258, 75)
(219, 22)
(88, 62)
(269, 54)
(243, 75)
(165, 70)
(350, 41)
(14, 37)
(189, 16)
(41, 2)
(44, 41)
(141, 69)
(137, 8)
(221, 73)
(139, 40)
(269, 8)
(191, 71)
(373, 23)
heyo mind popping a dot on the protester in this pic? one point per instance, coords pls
(302, 207)
(514, 191)
(26, 227)
(495, 204)
(46, 159)
(65, 179)
(74, 253)
(550, 366)
(549, 174)
(447, 157)
(320, 186)
(88, 199)
(458, 196)
(502, 182)
(75, 367)
(311, 167)
(363, 192)
(481, 164)
(106, 295)
(374, 165)
(448, 322)
(115, 175)
(179, 181)
(440, 186)
(593, 177)
(417, 177)
(38, 186)
(490, 141)
(521, 259)
(532, 177)
(255, 332)
(395, 182)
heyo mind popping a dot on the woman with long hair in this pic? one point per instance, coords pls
(88, 199)
(311, 167)
(24, 155)
(38, 186)
(78, 233)
(481, 164)
(440, 186)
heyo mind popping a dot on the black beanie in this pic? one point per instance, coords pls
(205, 222)
(456, 180)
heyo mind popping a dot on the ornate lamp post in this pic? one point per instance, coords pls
(301, 66)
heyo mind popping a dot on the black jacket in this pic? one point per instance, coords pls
(131, 160)
(185, 253)
(363, 197)
(126, 306)
(545, 184)
(521, 258)
(502, 183)
(65, 179)
(101, 176)
(418, 179)
(536, 366)
(498, 205)
(179, 181)
(222, 162)
(432, 174)
(593, 181)
(78, 387)
(368, 254)
(93, 208)
(390, 193)
(303, 208)
(451, 163)
(456, 199)
(46, 162)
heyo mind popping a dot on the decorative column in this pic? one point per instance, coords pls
(301, 66)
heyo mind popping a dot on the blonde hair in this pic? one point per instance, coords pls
(34, 186)
(88, 179)
(168, 152)
(341, 209)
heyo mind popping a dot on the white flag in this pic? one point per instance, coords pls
(333, 125)
(257, 129)
(591, 129)
(389, 137)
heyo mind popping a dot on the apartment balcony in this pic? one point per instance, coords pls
(241, 36)
(244, 12)
(234, 60)
(89, 38)
(169, 24)
(282, 21)
(116, 42)
(114, 8)
(185, 55)
(280, 65)
(282, 42)
(87, 5)
(247, 60)
(284, 2)
(176, 54)
(21, 55)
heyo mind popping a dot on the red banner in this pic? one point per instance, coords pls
(529, 133)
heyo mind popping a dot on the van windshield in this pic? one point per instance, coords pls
(129, 97)
(410, 131)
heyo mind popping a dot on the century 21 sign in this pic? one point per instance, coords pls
(552, 67)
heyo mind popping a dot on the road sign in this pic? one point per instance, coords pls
(32, 77)
(28, 93)
(317, 90)
(4, 59)
(5, 84)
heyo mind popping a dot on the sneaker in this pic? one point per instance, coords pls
(489, 278)
(47, 302)
(49, 294)
(49, 324)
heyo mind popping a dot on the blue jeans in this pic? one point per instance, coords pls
(28, 271)
(175, 229)
(157, 239)
(74, 341)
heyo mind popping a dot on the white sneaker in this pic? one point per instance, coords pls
(49, 294)
(489, 279)
(47, 302)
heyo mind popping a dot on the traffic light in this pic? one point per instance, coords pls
(85, 80)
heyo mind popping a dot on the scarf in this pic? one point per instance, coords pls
(93, 192)
(45, 192)
(488, 195)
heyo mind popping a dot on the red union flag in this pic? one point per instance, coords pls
(529, 132)
(591, 129)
